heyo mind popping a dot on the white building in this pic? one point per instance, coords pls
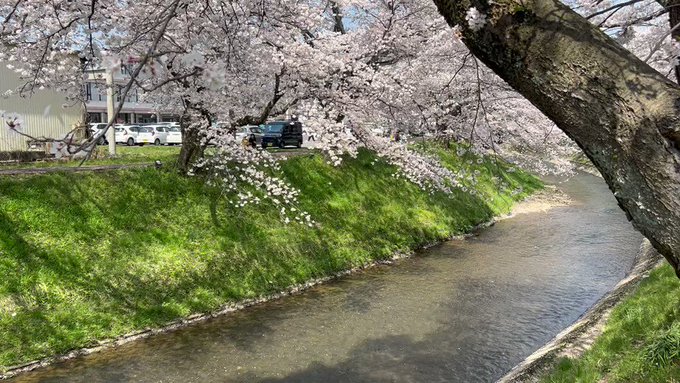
(45, 113)
(133, 111)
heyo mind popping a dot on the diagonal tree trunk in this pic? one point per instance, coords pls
(673, 7)
(674, 18)
(621, 112)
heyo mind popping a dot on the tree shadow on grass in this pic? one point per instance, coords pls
(68, 252)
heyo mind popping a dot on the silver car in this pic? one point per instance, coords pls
(247, 133)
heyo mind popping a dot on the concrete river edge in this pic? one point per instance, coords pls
(463, 310)
(580, 336)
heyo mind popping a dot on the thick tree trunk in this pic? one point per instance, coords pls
(673, 7)
(191, 147)
(623, 114)
(674, 18)
(339, 24)
(192, 136)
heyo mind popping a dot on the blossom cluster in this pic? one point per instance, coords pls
(358, 73)
(640, 26)
(248, 176)
(476, 19)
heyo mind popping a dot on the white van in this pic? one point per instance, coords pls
(174, 135)
(160, 134)
(134, 135)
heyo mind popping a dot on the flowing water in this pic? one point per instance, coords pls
(464, 311)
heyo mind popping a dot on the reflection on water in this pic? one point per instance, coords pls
(464, 311)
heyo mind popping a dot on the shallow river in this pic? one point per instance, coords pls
(464, 311)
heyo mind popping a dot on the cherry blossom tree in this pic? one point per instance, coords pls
(621, 112)
(648, 28)
(349, 68)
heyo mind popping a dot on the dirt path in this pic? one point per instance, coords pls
(69, 169)
(279, 154)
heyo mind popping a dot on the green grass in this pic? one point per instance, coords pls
(124, 155)
(641, 341)
(84, 257)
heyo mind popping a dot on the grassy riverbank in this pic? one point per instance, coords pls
(85, 257)
(641, 340)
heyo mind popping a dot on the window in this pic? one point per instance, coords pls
(94, 117)
(274, 128)
(88, 91)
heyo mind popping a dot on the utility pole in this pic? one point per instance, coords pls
(110, 110)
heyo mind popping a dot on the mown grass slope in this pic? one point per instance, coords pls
(84, 257)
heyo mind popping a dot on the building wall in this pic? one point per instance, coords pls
(54, 124)
(133, 110)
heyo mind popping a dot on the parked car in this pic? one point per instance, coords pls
(134, 135)
(174, 135)
(124, 135)
(127, 134)
(160, 134)
(95, 129)
(248, 133)
(146, 135)
(282, 133)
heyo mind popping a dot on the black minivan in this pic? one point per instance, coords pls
(282, 133)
